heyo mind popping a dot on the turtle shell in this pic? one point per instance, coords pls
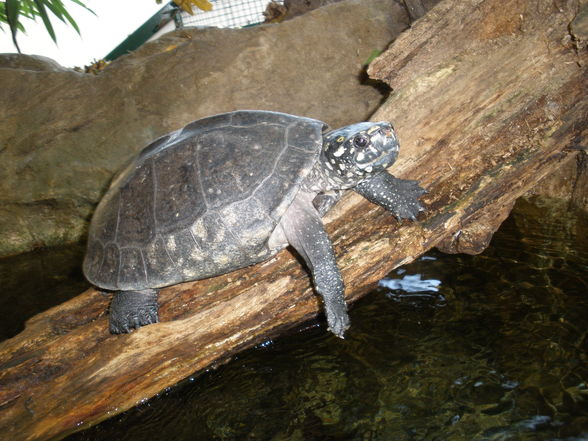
(200, 201)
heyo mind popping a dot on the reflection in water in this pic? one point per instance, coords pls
(413, 288)
(411, 283)
(449, 348)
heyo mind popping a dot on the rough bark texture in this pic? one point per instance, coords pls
(488, 95)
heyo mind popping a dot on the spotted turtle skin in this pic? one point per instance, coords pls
(229, 191)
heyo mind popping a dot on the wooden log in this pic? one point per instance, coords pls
(487, 96)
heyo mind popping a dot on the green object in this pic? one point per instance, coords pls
(12, 10)
(140, 36)
(375, 53)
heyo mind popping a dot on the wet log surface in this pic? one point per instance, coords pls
(488, 96)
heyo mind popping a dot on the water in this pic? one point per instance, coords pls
(450, 348)
(32, 283)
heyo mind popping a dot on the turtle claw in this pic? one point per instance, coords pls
(339, 329)
(118, 328)
(338, 319)
(399, 196)
(409, 209)
(131, 310)
(133, 321)
(409, 205)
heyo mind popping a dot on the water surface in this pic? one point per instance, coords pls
(450, 348)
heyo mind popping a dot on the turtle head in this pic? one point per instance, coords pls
(352, 153)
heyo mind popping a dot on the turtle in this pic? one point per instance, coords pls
(231, 190)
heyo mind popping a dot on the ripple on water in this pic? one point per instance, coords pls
(491, 347)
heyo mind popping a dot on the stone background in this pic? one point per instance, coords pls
(64, 133)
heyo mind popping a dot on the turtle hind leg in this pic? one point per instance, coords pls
(132, 309)
(304, 231)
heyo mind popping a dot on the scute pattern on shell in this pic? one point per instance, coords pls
(200, 201)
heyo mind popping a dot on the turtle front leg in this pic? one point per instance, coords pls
(132, 309)
(323, 202)
(399, 196)
(304, 230)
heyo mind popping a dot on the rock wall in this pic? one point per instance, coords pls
(64, 133)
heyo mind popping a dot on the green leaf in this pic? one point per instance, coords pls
(12, 10)
(374, 54)
(43, 13)
(27, 8)
(58, 9)
(79, 3)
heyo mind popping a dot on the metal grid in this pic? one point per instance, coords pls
(227, 14)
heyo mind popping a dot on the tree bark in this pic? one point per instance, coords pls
(487, 97)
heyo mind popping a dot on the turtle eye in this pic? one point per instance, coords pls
(360, 141)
